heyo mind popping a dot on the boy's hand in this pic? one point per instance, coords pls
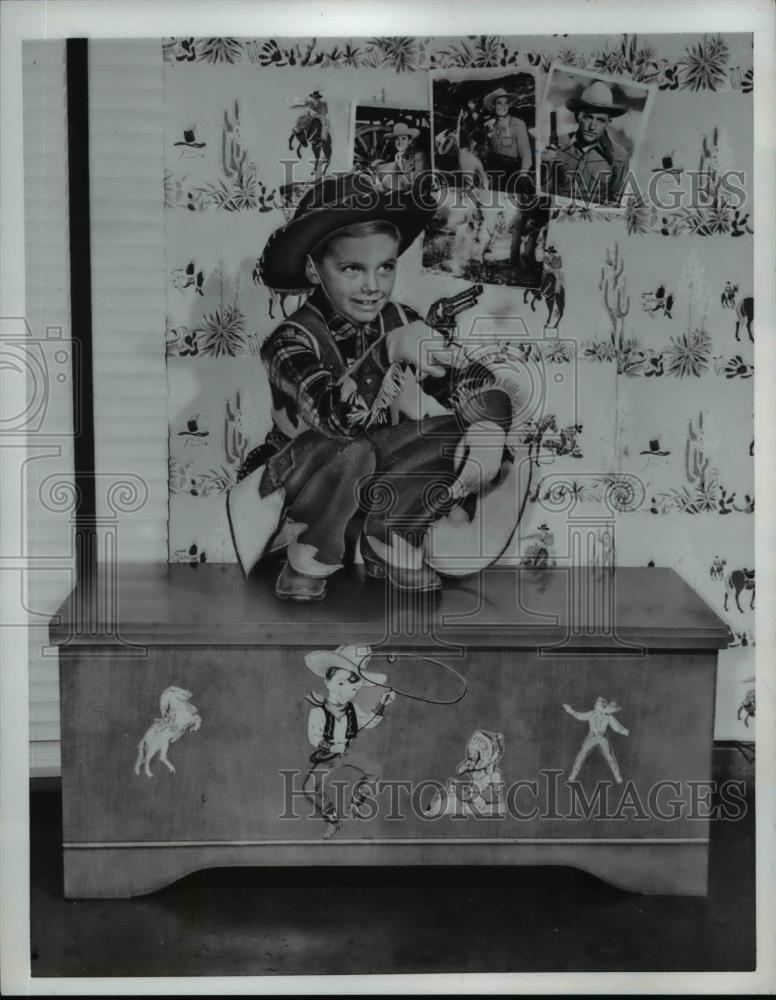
(422, 347)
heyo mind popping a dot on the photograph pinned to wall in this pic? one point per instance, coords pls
(589, 133)
(392, 143)
(487, 239)
(484, 128)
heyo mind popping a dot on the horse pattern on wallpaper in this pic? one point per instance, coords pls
(643, 322)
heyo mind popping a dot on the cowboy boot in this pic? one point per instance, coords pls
(414, 575)
(333, 824)
(303, 578)
(294, 586)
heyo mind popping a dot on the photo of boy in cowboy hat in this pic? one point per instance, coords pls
(409, 161)
(391, 142)
(589, 163)
(338, 369)
(334, 722)
(401, 162)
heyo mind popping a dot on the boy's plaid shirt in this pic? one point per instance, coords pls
(307, 382)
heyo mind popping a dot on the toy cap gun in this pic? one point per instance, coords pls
(441, 316)
(442, 313)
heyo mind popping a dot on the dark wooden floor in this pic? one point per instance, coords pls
(231, 922)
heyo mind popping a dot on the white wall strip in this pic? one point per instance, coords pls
(49, 470)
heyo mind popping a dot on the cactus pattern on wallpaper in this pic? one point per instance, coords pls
(616, 302)
(704, 492)
(716, 214)
(236, 444)
(619, 306)
(240, 186)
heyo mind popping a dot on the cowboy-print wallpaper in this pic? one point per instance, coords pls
(638, 306)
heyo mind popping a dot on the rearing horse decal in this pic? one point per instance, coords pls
(311, 129)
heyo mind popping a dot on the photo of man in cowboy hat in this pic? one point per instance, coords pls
(483, 123)
(589, 165)
(508, 148)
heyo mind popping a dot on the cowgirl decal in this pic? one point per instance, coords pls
(477, 788)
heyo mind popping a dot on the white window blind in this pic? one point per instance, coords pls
(128, 302)
(126, 138)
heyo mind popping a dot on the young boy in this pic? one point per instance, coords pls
(333, 724)
(337, 369)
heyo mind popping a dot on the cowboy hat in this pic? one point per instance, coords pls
(490, 99)
(459, 547)
(348, 658)
(334, 202)
(667, 166)
(189, 139)
(402, 128)
(596, 98)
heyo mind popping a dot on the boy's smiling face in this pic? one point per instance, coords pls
(358, 274)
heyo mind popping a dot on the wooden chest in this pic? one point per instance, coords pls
(475, 761)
